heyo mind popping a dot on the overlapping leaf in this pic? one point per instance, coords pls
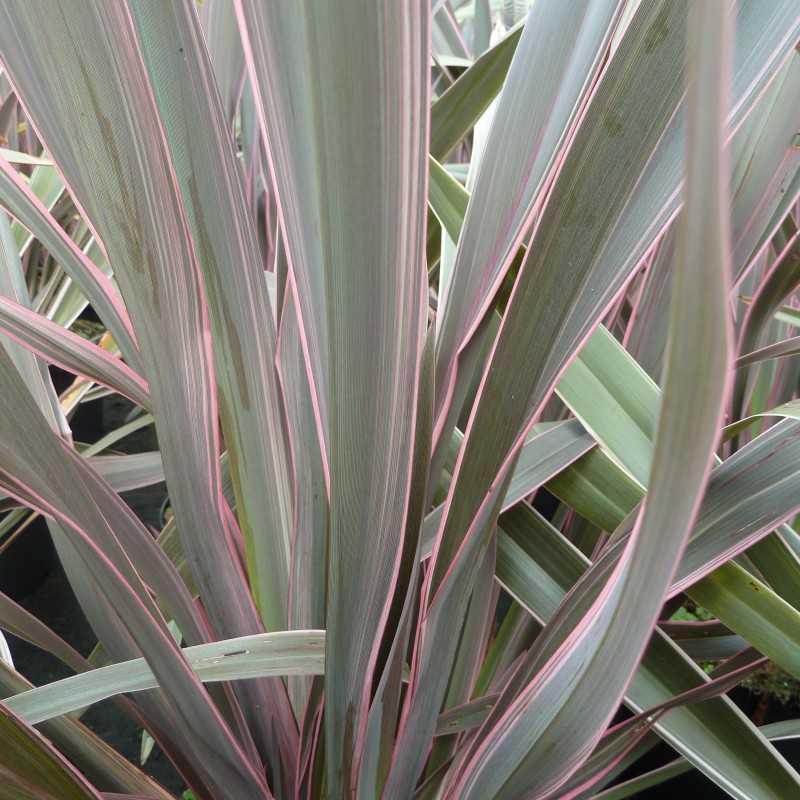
(342, 94)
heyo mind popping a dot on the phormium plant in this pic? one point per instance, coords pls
(381, 273)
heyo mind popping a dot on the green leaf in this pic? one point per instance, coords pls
(597, 488)
(460, 107)
(751, 608)
(447, 198)
(788, 347)
(603, 389)
(14, 157)
(33, 769)
(569, 684)
(342, 93)
(206, 169)
(562, 48)
(262, 655)
(540, 566)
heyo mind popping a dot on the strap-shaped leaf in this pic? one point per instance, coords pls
(748, 495)
(14, 291)
(71, 550)
(622, 400)
(121, 175)
(69, 351)
(33, 769)
(643, 83)
(44, 472)
(207, 173)
(776, 731)
(616, 748)
(16, 157)
(715, 736)
(557, 684)
(26, 207)
(262, 655)
(342, 93)
(780, 280)
(145, 238)
(645, 207)
(308, 576)
(750, 607)
(614, 242)
(96, 760)
(460, 107)
(544, 455)
(447, 198)
(559, 54)
(765, 162)
(17, 620)
(225, 49)
(788, 347)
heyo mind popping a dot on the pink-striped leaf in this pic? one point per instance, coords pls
(716, 737)
(645, 84)
(127, 472)
(554, 66)
(17, 620)
(614, 243)
(765, 164)
(32, 769)
(120, 172)
(218, 19)
(342, 95)
(748, 494)
(616, 616)
(618, 741)
(26, 207)
(788, 347)
(208, 176)
(779, 281)
(308, 575)
(41, 470)
(71, 352)
(13, 290)
(544, 455)
(376, 751)
(96, 760)
(646, 335)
